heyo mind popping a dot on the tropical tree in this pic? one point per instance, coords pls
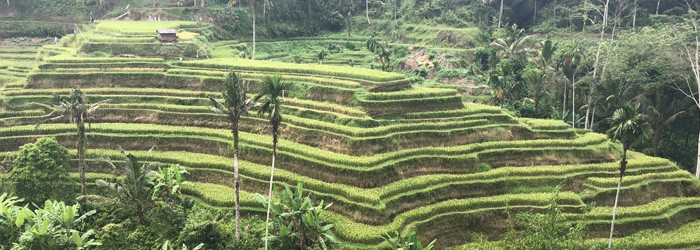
(549, 47)
(384, 55)
(514, 44)
(406, 242)
(53, 226)
(661, 112)
(271, 106)
(535, 80)
(298, 224)
(691, 49)
(569, 68)
(77, 110)
(235, 104)
(321, 56)
(169, 246)
(132, 192)
(380, 50)
(628, 127)
(40, 172)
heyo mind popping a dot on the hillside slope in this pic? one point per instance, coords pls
(388, 154)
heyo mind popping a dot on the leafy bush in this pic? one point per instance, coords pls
(546, 231)
(41, 172)
(34, 29)
(52, 226)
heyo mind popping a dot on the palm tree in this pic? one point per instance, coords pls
(514, 45)
(569, 66)
(134, 191)
(662, 112)
(77, 110)
(628, 127)
(384, 55)
(272, 89)
(535, 80)
(235, 104)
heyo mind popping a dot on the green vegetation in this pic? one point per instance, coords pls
(142, 27)
(40, 172)
(404, 156)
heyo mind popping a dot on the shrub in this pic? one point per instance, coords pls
(41, 172)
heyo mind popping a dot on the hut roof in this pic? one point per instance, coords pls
(166, 31)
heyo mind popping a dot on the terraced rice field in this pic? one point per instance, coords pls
(389, 155)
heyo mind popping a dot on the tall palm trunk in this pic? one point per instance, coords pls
(272, 177)
(236, 183)
(81, 155)
(252, 7)
(534, 16)
(563, 106)
(555, 13)
(623, 166)
(697, 167)
(367, 10)
(634, 16)
(573, 101)
(500, 14)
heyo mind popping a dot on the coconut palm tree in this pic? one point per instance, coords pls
(513, 45)
(77, 110)
(134, 191)
(269, 96)
(235, 104)
(569, 67)
(628, 127)
(662, 112)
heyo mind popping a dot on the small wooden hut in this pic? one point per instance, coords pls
(167, 35)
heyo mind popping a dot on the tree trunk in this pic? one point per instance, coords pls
(534, 16)
(367, 10)
(252, 7)
(202, 2)
(634, 15)
(563, 106)
(500, 14)
(623, 166)
(593, 118)
(81, 156)
(302, 238)
(657, 6)
(555, 13)
(584, 17)
(236, 183)
(272, 177)
(597, 60)
(573, 101)
(697, 165)
(395, 6)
